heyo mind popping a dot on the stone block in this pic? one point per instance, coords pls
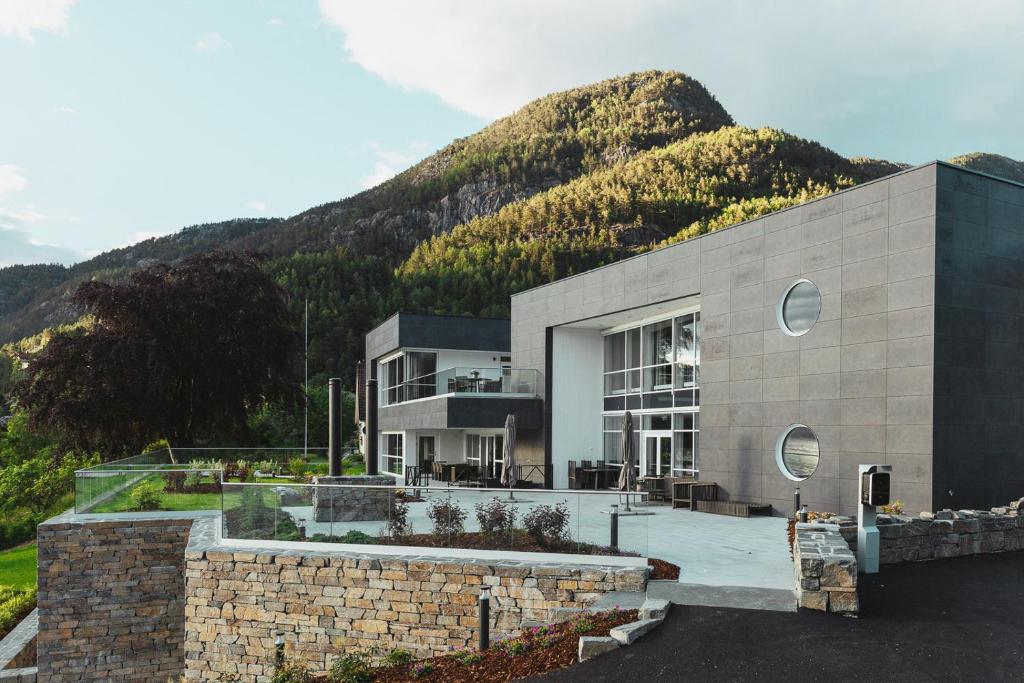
(591, 646)
(627, 634)
(843, 602)
(817, 600)
(654, 608)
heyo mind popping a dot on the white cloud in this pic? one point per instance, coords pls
(257, 206)
(276, 22)
(212, 42)
(17, 247)
(390, 162)
(795, 64)
(12, 179)
(22, 18)
(63, 109)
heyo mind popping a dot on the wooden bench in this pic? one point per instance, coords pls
(686, 493)
(735, 508)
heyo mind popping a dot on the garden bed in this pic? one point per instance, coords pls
(537, 651)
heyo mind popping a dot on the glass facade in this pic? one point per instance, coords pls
(486, 451)
(408, 376)
(391, 453)
(653, 370)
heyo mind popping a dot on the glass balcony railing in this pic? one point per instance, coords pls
(525, 520)
(468, 381)
(182, 479)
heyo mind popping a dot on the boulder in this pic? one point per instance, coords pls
(627, 634)
(592, 646)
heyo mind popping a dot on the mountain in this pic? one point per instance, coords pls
(572, 180)
(993, 164)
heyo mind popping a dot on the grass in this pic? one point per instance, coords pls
(18, 566)
(185, 502)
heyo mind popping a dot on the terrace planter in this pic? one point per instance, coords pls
(338, 504)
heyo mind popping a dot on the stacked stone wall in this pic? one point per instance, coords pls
(326, 603)
(825, 569)
(340, 504)
(943, 534)
(111, 599)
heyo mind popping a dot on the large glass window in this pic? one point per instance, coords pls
(391, 453)
(684, 443)
(408, 376)
(487, 452)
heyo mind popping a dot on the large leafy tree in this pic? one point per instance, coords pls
(180, 352)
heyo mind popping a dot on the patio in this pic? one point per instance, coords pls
(711, 550)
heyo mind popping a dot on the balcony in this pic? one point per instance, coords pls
(464, 381)
(463, 398)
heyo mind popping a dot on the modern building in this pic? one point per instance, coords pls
(880, 324)
(445, 386)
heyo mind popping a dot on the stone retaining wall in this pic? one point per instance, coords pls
(326, 602)
(947, 533)
(825, 569)
(18, 651)
(111, 598)
(353, 504)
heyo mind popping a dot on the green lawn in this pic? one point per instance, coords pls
(18, 566)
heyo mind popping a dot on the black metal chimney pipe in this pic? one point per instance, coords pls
(371, 426)
(334, 427)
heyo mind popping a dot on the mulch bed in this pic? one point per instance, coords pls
(663, 570)
(537, 651)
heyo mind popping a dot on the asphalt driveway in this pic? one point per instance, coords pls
(947, 620)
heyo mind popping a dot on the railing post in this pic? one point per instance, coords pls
(485, 618)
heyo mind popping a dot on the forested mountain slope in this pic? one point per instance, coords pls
(573, 180)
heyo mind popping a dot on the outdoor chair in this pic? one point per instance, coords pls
(574, 483)
(655, 488)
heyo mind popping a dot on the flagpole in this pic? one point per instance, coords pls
(305, 387)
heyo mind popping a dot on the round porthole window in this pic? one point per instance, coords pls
(798, 308)
(796, 452)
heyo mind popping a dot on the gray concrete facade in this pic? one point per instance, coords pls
(922, 294)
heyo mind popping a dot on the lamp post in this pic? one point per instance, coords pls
(485, 618)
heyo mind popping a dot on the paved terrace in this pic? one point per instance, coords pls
(726, 561)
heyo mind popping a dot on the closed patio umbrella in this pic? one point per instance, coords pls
(627, 477)
(508, 466)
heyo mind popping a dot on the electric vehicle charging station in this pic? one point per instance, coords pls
(874, 491)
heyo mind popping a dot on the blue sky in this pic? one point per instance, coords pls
(121, 120)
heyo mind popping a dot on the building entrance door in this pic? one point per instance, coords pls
(425, 452)
(657, 455)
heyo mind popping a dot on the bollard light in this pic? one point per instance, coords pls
(485, 618)
(796, 500)
(279, 649)
(614, 522)
(803, 514)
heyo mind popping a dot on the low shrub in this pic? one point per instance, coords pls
(146, 496)
(397, 657)
(350, 668)
(18, 526)
(548, 524)
(582, 626)
(355, 536)
(468, 657)
(447, 517)
(175, 481)
(15, 604)
(893, 508)
(422, 669)
(297, 467)
(497, 516)
(398, 521)
(291, 671)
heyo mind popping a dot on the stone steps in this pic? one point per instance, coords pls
(740, 597)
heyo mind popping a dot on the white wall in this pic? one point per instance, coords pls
(577, 398)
